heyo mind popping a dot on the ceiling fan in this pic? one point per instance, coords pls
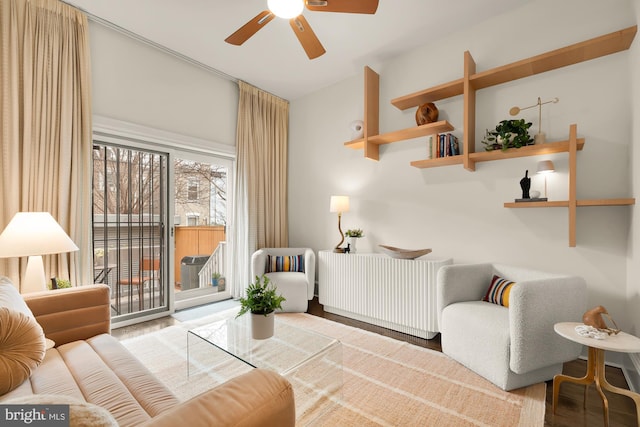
(292, 10)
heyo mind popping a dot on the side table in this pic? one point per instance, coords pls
(622, 342)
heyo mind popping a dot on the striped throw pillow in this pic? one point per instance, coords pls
(285, 263)
(499, 290)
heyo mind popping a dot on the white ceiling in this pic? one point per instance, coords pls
(272, 59)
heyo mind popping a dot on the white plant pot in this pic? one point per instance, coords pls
(262, 326)
(352, 244)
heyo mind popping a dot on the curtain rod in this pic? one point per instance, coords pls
(158, 46)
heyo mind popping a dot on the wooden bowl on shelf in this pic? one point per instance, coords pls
(404, 253)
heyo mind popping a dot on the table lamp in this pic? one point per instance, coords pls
(34, 234)
(339, 204)
(546, 167)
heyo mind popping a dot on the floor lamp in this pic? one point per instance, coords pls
(339, 204)
(34, 234)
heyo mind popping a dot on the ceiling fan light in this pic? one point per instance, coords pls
(286, 9)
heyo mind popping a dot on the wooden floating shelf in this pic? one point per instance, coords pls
(579, 203)
(356, 144)
(443, 91)
(606, 202)
(556, 204)
(402, 135)
(573, 54)
(511, 153)
(526, 151)
(440, 161)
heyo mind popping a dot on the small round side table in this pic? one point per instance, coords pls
(622, 342)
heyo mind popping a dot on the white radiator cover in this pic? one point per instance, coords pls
(398, 294)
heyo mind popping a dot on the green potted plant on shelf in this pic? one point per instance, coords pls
(508, 134)
(261, 301)
(352, 236)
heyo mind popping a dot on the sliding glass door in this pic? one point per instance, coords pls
(160, 222)
(201, 202)
(130, 233)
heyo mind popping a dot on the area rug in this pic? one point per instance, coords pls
(386, 382)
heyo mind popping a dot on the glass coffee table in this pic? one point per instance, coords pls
(310, 361)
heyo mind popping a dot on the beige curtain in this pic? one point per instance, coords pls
(45, 126)
(260, 212)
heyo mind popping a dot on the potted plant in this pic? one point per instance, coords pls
(57, 283)
(508, 134)
(215, 278)
(352, 236)
(262, 301)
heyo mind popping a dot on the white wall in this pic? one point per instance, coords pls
(137, 83)
(633, 287)
(460, 214)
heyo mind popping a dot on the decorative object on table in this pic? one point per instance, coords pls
(222, 284)
(508, 134)
(545, 167)
(34, 234)
(399, 253)
(352, 237)
(357, 129)
(262, 301)
(594, 318)
(56, 283)
(539, 138)
(426, 113)
(339, 204)
(591, 332)
(535, 194)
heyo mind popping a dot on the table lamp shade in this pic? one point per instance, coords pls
(34, 234)
(546, 166)
(339, 204)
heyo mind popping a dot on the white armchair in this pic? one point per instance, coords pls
(296, 287)
(511, 346)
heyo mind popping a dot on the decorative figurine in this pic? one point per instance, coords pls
(426, 113)
(594, 318)
(525, 184)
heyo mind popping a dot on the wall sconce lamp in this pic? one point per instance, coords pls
(339, 204)
(540, 137)
(545, 167)
(34, 234)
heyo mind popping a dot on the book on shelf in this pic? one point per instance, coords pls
(444, 145)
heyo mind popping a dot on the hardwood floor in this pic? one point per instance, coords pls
(622, 411)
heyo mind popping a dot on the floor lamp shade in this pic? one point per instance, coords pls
(34, 234)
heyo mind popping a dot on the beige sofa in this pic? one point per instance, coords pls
(89, 365)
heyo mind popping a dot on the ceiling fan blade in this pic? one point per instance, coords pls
(250, 28)
(307, 37)
(344, 6)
